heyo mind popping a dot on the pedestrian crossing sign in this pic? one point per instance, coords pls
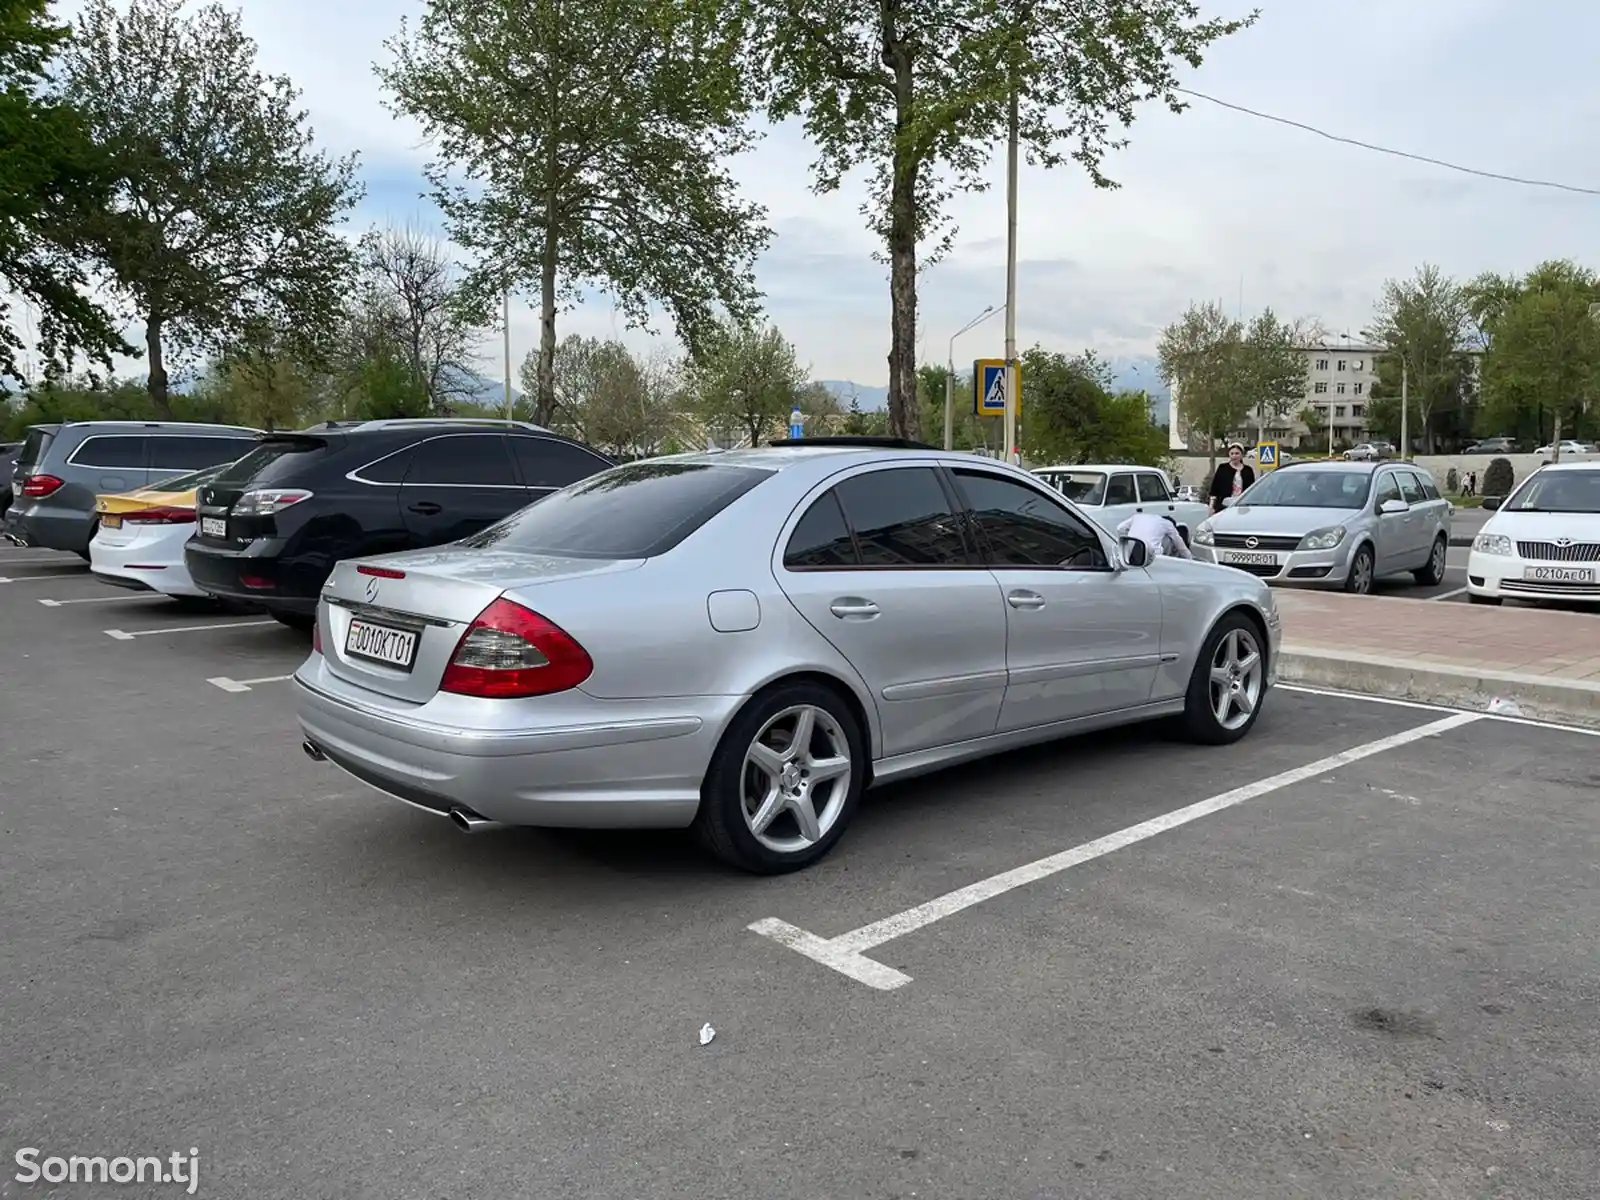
(994, 384)
(1267, 455)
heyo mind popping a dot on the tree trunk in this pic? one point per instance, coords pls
(545, 410)
(160, 398)
(905, 411)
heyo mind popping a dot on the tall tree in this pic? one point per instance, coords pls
(918, 91)
(52, 176)
(1272, 366)
(412, 282)
(1541, 370)
(745, 382)
(585, 145)
(1199, 358)
(225, 219)
(1427, 323)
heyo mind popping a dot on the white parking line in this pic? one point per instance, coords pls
(1447, 595)
(244, 685)
(104, 599)
(1533, 722)
(56, 578)
(127, 635)
(845, 953)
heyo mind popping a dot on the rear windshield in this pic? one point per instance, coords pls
(187, 483)
(272, 461)
(34, 447)
(636, 511)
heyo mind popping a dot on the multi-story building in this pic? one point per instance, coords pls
(1339, 379)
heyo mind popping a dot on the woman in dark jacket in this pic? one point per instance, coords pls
(1232, 478)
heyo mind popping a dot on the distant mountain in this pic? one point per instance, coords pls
(871, 399)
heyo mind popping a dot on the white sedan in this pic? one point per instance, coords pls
(1567, 447)
(1543, 541)
(139, 536)
(1111, 493)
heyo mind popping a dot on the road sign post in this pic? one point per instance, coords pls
(1267, 456)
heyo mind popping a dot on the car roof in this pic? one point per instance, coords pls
(1103, 468)
(152, 426)
(782, 456)
(1354, 467)
(421, 424)
(1591, 465)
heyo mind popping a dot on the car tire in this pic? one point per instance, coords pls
(1432, 575)
(1359, 581)
(1495, 600)
(300, 622)
(1223, 667)
(753, 816)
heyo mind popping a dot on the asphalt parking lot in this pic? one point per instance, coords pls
(1356, 955)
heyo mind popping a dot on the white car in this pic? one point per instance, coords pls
(1543, 540)
(1567, 447)
(1111, 493)
(139, 536)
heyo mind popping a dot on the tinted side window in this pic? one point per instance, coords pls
(1120, 490)
(1024, 529)
(821, 539)
(547, 463)
(196, 453)
(391, 469)
(1410, 489)
(1152, 487)
(902, 518)
(1429, 488)
(464, 459)
(122, 453)
(1388, 489)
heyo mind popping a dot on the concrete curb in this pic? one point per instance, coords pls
(1567, 701)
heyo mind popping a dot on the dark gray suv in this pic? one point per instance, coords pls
(62, 468)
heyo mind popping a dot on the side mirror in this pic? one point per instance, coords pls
(1493, 503)
(1393, 506)
(1135, 552)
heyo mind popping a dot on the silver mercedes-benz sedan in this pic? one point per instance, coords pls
(742, 642)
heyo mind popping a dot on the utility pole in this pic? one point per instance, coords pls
(1405, 408)
(505, 302)
(1012, 374)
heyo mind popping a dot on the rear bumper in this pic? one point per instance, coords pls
(149, 563)
(598, 765)
(49, 528)
(257, 575)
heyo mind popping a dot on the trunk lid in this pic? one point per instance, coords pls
(34, 445)
(276, 461)
(421, 615)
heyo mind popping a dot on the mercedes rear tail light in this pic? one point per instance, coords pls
(265, 502)
(511, 651)
(39, 486)
(165, 515)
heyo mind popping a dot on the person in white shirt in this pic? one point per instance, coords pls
(1158, 533)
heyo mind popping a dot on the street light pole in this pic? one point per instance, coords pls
(1012, 402)
(1405, 408)
(506, 318)
(950, 375)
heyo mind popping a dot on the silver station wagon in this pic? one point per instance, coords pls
(741, 642)
(1334, 524)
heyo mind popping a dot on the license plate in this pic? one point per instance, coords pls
(109, 522)
(1250, 560)
(1559, 574)
(216, 527)
(381, 643)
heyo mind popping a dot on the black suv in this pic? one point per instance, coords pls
(273, 524)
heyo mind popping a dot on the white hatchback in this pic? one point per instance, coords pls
(1543, 541)
(1111, 493)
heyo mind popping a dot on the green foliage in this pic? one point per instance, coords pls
(224, 220)
(1498, 480)
(917, 91)
(1426, 321)
(52, 173)
(745, 382)
(1271, 367)
(1198, 357)
(1452, 482)
(608, 397)
(966, 427)
(586, 144)
(1541, 368)
(1070, 414)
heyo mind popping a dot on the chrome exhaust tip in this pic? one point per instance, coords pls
(313, 753)
(470, 822)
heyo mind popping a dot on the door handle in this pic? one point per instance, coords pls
(1024, 599)
(426, 508)
(853, 608)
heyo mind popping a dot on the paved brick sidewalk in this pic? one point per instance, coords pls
(1546, 661)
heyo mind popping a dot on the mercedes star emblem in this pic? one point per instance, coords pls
(372, 588)
(1252, 542)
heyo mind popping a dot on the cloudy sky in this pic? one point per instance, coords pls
(1211, 201)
